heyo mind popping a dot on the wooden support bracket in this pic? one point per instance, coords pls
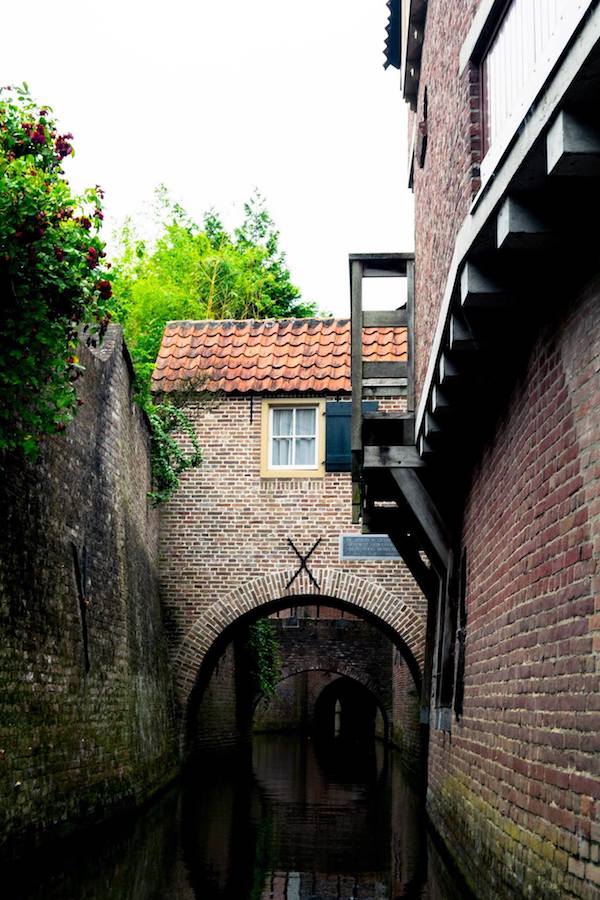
(460, 336)
(519, 228)
(426, 516)
(478, 290)
(572, 147)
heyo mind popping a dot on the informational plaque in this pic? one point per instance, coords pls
(367, 546)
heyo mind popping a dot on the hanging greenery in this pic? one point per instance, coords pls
(265, 659)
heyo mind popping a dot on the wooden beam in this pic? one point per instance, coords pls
(383, 370)
(425, 449)
(431, 427)
(426, 515)
(356, 353)
(447, 369)
(519, 228)
(440, 405)
(425, 577)
(572, 147)
(460, 336)
(478, 290)
(410, 337)
(395, 318)
(388, 390)
(385, 457)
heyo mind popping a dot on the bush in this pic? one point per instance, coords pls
(52, 274)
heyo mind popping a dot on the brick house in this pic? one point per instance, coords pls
(499, 488)
(275, 434)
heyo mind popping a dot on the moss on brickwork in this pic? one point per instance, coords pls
(81, 738)
(502, 859)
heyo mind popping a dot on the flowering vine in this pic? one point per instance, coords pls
(53, 274)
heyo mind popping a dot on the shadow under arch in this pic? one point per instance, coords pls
(357, 713)
(352, 673)
(214, 629)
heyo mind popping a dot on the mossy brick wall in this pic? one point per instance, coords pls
(225, 551)
(76, 746)
(515, 788)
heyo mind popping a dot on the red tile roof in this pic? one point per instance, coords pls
(269, 355)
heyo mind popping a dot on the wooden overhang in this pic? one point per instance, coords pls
(525, 246)
(413, 17)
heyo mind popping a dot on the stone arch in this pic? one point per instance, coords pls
(335, 668)
(340, 671)
(269, 592)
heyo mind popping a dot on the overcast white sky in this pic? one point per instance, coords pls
(215, 97)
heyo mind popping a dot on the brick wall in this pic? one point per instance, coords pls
(215, 723)
(445, 185)
(224, 542)
(76, 745)
(406, 705)
(515, 789)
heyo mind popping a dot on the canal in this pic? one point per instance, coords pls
(293, 819)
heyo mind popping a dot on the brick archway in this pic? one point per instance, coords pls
(335, 668)
(403, 624)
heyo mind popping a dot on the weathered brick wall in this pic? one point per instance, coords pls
(515, 791)
(215, 727)
(77, 745)
(406, 705)
(227, 529)
(444, 187)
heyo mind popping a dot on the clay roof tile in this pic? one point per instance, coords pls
(272, 355)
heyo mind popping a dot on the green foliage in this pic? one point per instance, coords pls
(193, 272)
(51, 274)
(169, 459)
(265, 661)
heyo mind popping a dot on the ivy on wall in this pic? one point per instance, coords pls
(264, 657)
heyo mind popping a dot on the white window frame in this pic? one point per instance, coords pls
(315, 469)
(293, 408)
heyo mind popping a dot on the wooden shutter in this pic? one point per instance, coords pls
(338, 418)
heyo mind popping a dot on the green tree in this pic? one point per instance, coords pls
(199, 272)
(52, 275)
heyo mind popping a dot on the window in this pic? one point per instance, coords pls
(293, 441)
(293, 438)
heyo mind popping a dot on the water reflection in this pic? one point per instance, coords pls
(292, 820)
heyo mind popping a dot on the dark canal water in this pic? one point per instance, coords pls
(294, 820)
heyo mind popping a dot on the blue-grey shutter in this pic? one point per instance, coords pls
(338, 421)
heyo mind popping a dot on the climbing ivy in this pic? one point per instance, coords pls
(169, 458)
(265, 660)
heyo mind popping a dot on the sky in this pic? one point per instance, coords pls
(215, 98)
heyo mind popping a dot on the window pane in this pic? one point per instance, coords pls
(305, 451)
(282, 421)
(282, 451)
(305, 421)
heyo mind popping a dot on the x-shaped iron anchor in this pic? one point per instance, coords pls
(303, 561)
